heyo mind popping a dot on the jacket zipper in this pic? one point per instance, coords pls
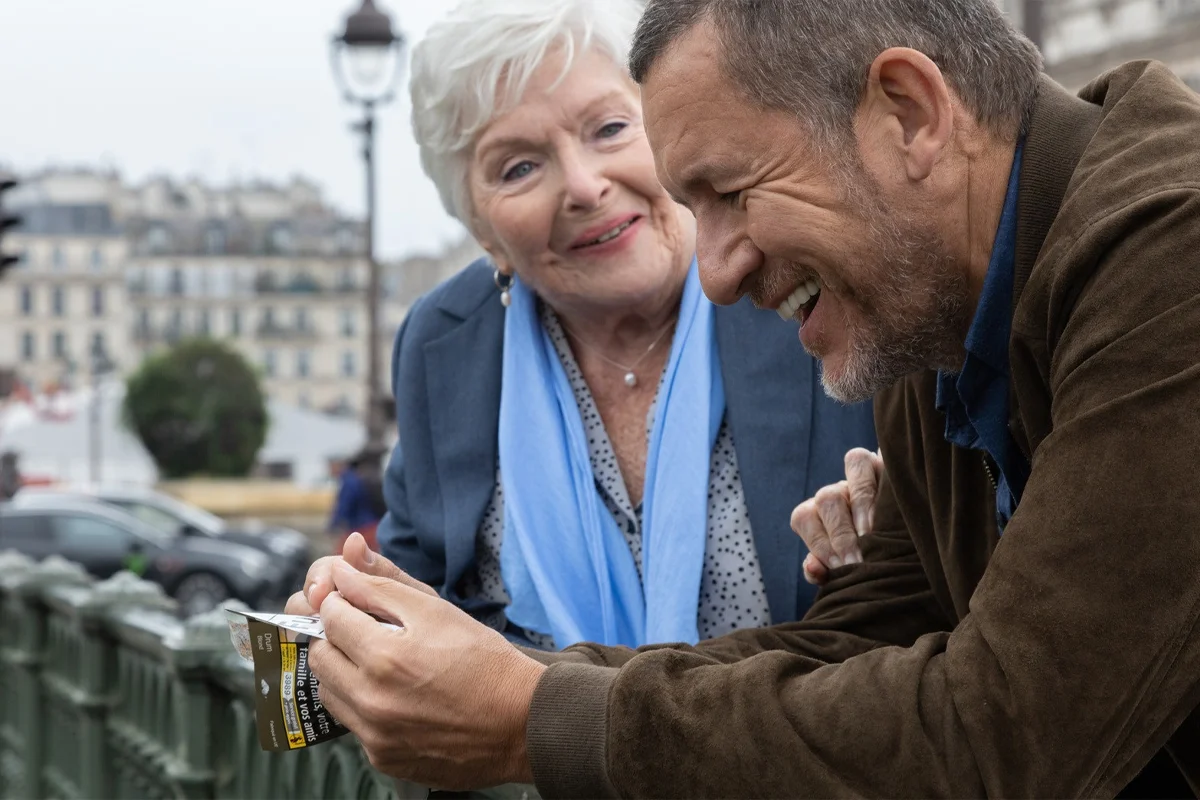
(987, 467)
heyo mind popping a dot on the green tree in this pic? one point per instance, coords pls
(199, 410)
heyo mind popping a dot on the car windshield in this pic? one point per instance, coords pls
(168, 514)
(154, 517)
(196, 517)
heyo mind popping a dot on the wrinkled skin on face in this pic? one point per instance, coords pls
(882, 223)
(569, 165)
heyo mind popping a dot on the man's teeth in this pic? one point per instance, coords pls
(799, 298)
(614, 233)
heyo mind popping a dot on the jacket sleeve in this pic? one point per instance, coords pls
(1080, 655)
(396, 534)
(887, 600)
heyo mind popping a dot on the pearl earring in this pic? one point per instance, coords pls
(504, 284)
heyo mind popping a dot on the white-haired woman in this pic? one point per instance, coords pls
(589, 451)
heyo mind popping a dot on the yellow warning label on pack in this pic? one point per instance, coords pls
(287, 694)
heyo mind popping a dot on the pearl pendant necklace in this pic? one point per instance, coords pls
(631, 379)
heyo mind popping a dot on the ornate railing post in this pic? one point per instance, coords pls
(21, 656)
(98, 688)
(32, 615)
(193, 651)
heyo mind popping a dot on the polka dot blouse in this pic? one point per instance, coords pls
(732, 593)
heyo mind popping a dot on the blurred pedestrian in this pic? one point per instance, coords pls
(10, 475)
(359, 505)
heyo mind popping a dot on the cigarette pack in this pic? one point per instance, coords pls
(287, 699)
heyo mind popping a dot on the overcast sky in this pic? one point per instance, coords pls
(221, 89)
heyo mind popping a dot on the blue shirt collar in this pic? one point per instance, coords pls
(988, 336)
(975, 400)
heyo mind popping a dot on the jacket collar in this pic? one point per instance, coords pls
(1059, 130)
(471, 296)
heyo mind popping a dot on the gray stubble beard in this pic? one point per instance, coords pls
(915, 304)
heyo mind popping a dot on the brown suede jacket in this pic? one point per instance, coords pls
(1055, 661)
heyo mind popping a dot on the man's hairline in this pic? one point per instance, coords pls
(705, 17)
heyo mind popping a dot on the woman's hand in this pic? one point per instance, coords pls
(832, 521)
(319, 581)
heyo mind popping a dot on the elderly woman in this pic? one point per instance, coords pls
(589, 450)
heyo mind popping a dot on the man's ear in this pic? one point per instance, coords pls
(906, 110)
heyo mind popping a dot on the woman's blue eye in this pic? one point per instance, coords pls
(612, 129)
(518, 171)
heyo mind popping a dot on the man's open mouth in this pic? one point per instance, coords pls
(801, 301)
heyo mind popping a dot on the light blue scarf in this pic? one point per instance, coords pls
(566, 565)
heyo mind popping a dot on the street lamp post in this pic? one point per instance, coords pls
(101, 366)
(367, 58)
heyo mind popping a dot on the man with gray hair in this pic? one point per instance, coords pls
(1014, 273)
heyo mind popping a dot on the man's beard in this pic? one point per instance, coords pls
(911, 304)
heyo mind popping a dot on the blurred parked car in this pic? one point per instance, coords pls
(169, 515)
(198, 571)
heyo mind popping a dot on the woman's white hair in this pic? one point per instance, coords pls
(475, 64)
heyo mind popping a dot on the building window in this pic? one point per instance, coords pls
(98, 346)
(157, 239)
(267, 322)
(25, 260)
(136, 280)
(58, 303)
(60, 344)
(214, 241)
(98, 301)
(302, 363)
(97, 258)
(281, 239)
(348, 322)
(346, 282)
(27, 347)
(302, 319)
(221, 282)
(348, 365)
(266, 281)
(143, 324)
(176, 285)
(58, 259)
(346, 240)
(175, 326)
(235, 322)
(203, 322)
(26, 300)
(269, 363)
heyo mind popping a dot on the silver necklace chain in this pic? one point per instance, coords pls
(630, 375)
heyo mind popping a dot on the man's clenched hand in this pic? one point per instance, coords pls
(443, 702)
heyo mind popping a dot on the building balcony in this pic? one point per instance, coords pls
(273, 332)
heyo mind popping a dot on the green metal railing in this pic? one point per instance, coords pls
(107, 694)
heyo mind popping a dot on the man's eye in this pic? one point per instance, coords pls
(730, 198)
(612, 129)
(518, 171)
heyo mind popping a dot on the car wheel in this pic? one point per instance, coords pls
(200, 592)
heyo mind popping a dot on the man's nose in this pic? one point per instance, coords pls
(724, 263)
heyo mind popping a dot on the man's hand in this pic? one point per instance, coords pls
(358, 554)
(832, 521)
(443, 702)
